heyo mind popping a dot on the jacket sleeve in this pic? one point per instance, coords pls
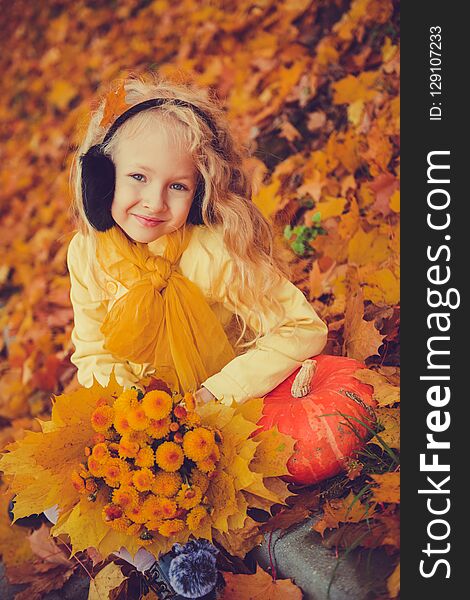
(89, 309)
(275, 356)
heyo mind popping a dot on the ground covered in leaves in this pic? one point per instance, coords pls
(313, 88)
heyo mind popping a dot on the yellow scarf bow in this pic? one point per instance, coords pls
(164, 318)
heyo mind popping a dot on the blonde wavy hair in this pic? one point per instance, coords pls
(257, 263)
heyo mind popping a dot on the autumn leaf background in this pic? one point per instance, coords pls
(313, 89)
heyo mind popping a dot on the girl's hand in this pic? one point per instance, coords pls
(203, 395)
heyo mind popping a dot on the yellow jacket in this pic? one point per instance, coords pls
(252, 374)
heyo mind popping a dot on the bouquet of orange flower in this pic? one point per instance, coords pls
(135, 469)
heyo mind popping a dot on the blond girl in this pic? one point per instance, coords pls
(173, 269)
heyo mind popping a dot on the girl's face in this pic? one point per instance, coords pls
(154, 179)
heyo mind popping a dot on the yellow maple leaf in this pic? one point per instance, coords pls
(330, 206)
(385, 394)
(272, 453)
(368, 247)
(15, 547)
(259, 585)
(388, 487)
(61, 94)
(105, 581)
(393, 582)
(267, 199)
(395, 201)
(352, 88)
(389, 418)
(382, 287)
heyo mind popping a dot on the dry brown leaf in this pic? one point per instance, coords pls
(342, 510)
(390, 419)
(45, 547)
(385, 393)
(42, 578)
(259, 586)
(361, 338)
(371, 534)
(393, 582)
(241, 541)
(388, 487)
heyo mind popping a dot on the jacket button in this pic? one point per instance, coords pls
(111, 287)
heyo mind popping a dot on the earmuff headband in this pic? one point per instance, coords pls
(153, 102)
(98, 171)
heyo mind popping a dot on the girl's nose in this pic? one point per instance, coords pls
(155, 199)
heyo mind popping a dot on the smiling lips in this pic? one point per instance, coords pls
(147, 222)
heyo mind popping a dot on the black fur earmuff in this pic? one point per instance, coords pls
(99, 172)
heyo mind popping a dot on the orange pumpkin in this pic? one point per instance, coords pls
(323, 442)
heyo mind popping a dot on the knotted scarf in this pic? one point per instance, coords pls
(163, 319)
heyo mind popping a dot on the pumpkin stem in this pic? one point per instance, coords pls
(303, 380)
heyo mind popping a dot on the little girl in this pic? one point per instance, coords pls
(172, 259)
(173, 269)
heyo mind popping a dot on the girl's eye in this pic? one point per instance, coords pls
(137, 175)
(181, 187)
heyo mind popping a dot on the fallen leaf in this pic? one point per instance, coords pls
(45, 547)
(385, 394)
(241, 541)
(361, 338)
(384, 186)
(393, 582)
(106, 580)
(342, 510)
(388, 487)
(42, 578)
(259, 586)
(390, 419)
(371, 534)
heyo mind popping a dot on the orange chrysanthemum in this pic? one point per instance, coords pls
(120, 524)
(171, 527)
(189, 401)
(90, 486)
(168, 508)
(208, 465)
(140, 437)
(145, 457)
(192, 419)
(154, 524)
(143, 479)
(111, 512)
(78, 482)
(126, 496)
(198, 444)
(96, 467)
(126, 400)
(128, 448)
(135, 514)
(169, 456)
(102, 418)
(157, 404)
(151, 508)
(195, 517)
(189, 496)
(167, 484)
(121, 423)
(159, 428)
(200, 479)
(138, 419)
(100, 452)
(114, 470)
